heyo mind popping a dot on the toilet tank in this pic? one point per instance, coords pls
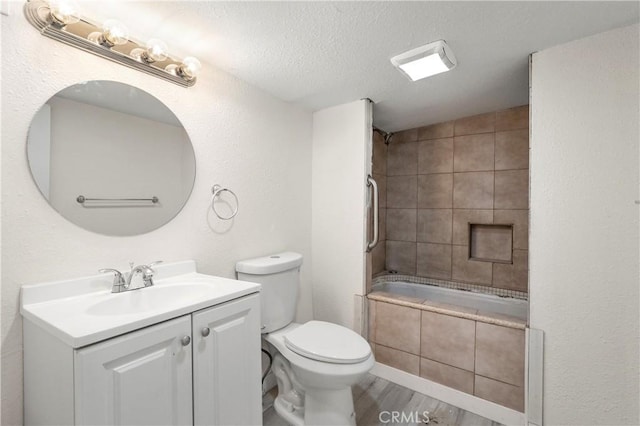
(279, 275)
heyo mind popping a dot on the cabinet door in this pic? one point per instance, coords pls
(226, 364)
(141, 378)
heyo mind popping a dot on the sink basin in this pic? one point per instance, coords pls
(83, 311)
(148, 299)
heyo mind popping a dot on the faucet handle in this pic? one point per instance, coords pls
(154, 264)
(118, 279)
(117, 273)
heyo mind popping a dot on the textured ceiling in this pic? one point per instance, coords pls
(320, 54)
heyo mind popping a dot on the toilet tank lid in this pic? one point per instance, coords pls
(270, 264)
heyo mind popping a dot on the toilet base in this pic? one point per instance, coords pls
(321, 407)
(329, 407)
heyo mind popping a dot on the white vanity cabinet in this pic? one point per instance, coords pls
(141, 378)
(201, 368)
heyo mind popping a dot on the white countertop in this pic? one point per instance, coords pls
(84, 311)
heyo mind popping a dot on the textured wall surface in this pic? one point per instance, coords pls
(243, 138)
(584, 235)
(341, 161)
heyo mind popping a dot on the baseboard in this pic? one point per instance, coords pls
(467, 402)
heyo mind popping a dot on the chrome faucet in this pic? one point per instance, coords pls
(119, 282)
(147, 275)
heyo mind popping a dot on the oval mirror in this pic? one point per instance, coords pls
(111, 158)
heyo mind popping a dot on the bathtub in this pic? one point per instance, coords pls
(466, 340)
(488, 303)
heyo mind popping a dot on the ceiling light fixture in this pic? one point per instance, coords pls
(425, 61)
(60, 20)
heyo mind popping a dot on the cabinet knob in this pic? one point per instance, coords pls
(205, 331)
(185, 340)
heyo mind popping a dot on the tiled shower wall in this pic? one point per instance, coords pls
(440, 179)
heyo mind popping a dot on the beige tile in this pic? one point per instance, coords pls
(435, 156)
(473, 153)
(453, 377)
(401, 224)
(435, 191)
(470, 271)
(448, 339)
(436, 131)
(501, 393)
(520, 221)
(512, 150)
(512, 189)
(402, 159)
(379, 161)
(483, 123)
(398, 327)
(513, 118)
(372, 320)
(401, 257)
(378, 255)
(410, 135)
(381, 180)
(382, 224)
(513, 276)
(398, 359)
(435, 225)
(500, 353)
(402, 192)
(368, 272)
(434, 261)
(473, 190)
(491, 242)
(461, 221)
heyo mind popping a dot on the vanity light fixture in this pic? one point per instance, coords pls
(425, 61)
(114, 33)
(60, 20)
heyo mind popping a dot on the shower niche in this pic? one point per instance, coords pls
(491, 242)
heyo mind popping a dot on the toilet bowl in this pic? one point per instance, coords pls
(321, 370)
(317, 362)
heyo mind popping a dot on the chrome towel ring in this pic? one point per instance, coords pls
(217, 190)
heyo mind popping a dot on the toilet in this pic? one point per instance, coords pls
(317, 362)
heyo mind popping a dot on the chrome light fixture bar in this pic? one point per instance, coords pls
(425, 61)
(59, 20)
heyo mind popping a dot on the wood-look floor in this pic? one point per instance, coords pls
(373, 396)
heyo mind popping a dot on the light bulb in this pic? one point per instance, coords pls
(64, 12)
(157, 49)
(115, 32)
(190, 67)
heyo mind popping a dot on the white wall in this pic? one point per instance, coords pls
(243, 138)
(584, 238)
(341, 162)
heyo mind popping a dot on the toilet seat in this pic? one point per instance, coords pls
(327, 342)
